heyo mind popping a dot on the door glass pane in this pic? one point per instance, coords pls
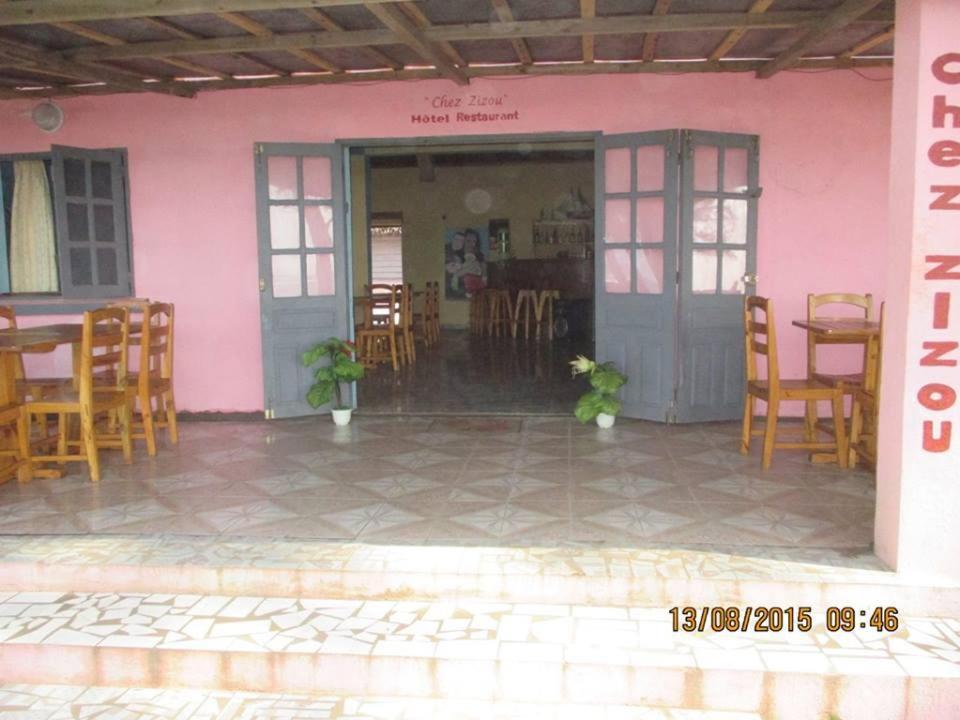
(78, 224)
(101, 178)
(705, 220)
(705, 167)
(735, 221)
(734, 266)
(81, 267)
(650, 168)
(735, 170)
(75, 177)
(649, 271)
(106, 266)
(704, 271)
(616, 173)
(103, 230)
(316, 178)
(650, 220)
(616, 270)
(286, 276)
(284, 227)
(318, 226)
(320, 279)
(282, 178)
(616, 220)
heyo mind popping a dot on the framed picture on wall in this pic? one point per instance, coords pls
(466, 251)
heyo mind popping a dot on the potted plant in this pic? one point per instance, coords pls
(601, 402)
(340, 368)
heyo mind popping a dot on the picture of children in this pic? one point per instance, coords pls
(465, 262)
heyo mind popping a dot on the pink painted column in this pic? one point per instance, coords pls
(918, 483)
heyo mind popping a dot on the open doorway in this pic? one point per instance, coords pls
(479, 220)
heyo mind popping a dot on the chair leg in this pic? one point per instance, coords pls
(770, 432)
(173, 434)
(63, 435)
(856, 424)
(146, 414)
(840, 430)
(747, 430)
(25, 469)
(89, 440)
(810, 421)
(126, 442)
(393, 352)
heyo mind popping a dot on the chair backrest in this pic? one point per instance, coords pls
(156, 345)
(755, 326)
(404, 297)
(103, 350)
(9, 315)
(860, 304)
(383, 303)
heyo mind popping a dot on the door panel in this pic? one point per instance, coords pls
(718, 240)
(303, 269)
(636, 266)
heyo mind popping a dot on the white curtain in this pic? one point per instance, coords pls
(33, 255)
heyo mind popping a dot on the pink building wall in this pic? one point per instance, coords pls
(824, 150)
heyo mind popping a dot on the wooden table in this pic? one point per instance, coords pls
(857, 329)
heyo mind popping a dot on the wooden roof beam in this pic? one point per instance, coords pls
(868, 43)
(328, 23)
(502, 8)
(650, 39)
(258, 29)
(105, 39)
(588, 10)
(399, 23)
(734, 36)
(838, 18)
(413, 11)
(30, 12)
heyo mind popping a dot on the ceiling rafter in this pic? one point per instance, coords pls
(413, 11)
(183, 34)
(446, 33)
(839, 17)
(328, 23)
(650, 39)
(105, 39)
(734, 36)
(505, 13)
(31, 12)
(413, 36)
(588, 10)
(868, 43)
(258, 29)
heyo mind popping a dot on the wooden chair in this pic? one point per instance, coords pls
(847, 382)
(544, 310)
(102, 388)
(426, 324)
(774, 390)
(478, 312)
(154, 378)
(378, 342)
(499, 312)
(404, 328)
(32, 387)
(527, 303)
(864, 416)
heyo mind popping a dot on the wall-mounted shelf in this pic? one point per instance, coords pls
(574, 238)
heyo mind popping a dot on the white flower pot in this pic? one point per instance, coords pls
(605, 421)
(342, 416)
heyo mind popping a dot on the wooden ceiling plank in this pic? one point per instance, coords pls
(868, 43)
(31, 12)
(649, 49)
(399, 23)
(113, 41)
(734, 36)
(258, 29)
(505, 13)
(588, 10)
(413, 11)
(328, 23)
(838, 18)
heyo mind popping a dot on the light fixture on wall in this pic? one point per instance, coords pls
(48, 116)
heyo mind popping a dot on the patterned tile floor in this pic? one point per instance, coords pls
(535, 481)
(61, 702)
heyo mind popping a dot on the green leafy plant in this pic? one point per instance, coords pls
(340, 368)
(605, 380)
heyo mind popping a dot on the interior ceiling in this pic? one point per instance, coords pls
(71, 47)
(475, 158)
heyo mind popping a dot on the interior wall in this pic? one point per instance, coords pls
(824, 165)
(469, 197)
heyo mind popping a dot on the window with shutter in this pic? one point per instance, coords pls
(386, 252)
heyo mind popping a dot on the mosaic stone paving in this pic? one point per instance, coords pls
(61, 702)
(531, 482)
(480, 631)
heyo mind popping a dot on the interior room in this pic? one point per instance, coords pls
(505, 231)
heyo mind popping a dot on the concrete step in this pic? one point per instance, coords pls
(486, 652)
(637, 577)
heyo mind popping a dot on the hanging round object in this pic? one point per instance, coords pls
(47, 116)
